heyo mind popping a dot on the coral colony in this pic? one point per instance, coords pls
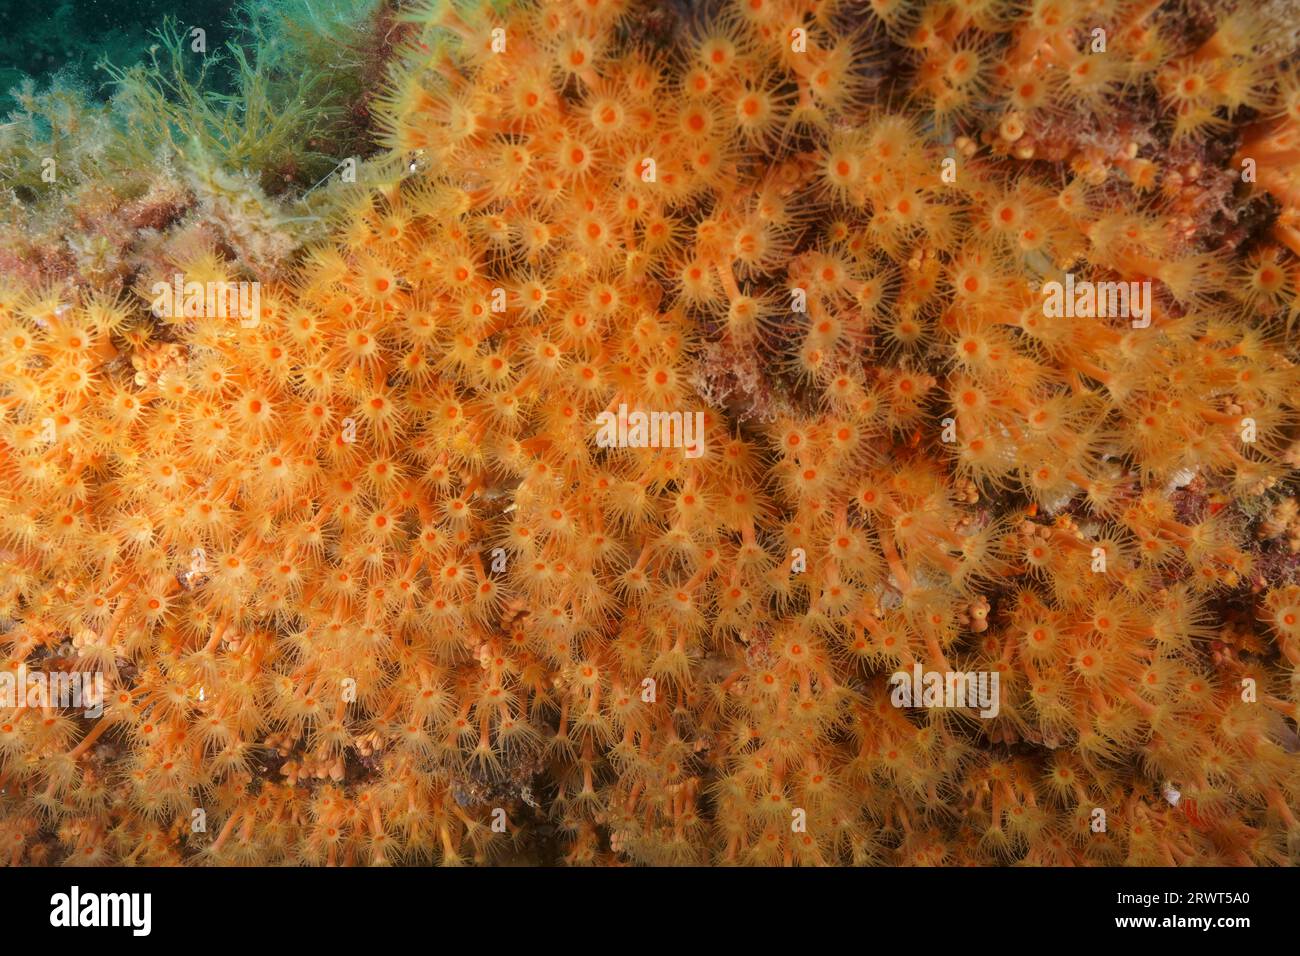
(768, 432)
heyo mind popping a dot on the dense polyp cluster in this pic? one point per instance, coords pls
(366, 589)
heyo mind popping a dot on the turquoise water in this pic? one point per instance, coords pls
(276, 88)
(68, 37)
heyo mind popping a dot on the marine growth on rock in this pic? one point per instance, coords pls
(762, 432)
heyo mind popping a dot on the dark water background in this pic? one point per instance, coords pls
(39, 38)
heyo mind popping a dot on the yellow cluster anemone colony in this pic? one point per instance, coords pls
(786, 432)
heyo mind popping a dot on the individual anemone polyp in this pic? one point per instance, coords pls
(364, 587)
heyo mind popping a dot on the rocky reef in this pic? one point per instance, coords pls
(946, 512)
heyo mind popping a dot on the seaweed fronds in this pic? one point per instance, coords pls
(265, 126)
